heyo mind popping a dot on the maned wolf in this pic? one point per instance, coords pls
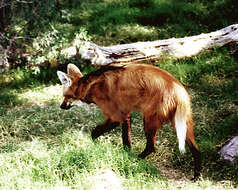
(120, 90)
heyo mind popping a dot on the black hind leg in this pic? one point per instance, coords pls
(195, 152)
(151, 125)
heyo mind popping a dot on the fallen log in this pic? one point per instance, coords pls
(175, 48)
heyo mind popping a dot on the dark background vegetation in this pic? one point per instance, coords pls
(31, 29)
(33, 33)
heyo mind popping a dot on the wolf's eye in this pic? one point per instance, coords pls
(68, 96)
(70, 100)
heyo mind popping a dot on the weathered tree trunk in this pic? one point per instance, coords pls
(153, 51)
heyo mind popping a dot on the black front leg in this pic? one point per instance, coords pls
(107, 126)
(126, 132)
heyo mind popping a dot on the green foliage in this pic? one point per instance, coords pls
(41, 29)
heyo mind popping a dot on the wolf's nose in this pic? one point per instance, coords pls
(65, 106)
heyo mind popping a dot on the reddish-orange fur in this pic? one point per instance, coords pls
(120, 90)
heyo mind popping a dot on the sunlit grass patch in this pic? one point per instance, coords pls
(41, 95)
(132, 32)
(26, 166)
(76, 162)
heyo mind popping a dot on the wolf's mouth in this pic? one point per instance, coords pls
(66, 106)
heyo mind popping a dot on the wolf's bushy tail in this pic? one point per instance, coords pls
(180, 121)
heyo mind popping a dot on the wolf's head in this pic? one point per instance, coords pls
(70, 85)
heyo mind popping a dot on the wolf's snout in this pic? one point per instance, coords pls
(65, 106)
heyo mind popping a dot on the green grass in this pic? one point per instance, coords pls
(44, 147)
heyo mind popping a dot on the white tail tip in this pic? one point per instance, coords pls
(182, 148)
(181, 129)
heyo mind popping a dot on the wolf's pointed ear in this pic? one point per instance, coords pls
(64, 79)
(73, 70)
